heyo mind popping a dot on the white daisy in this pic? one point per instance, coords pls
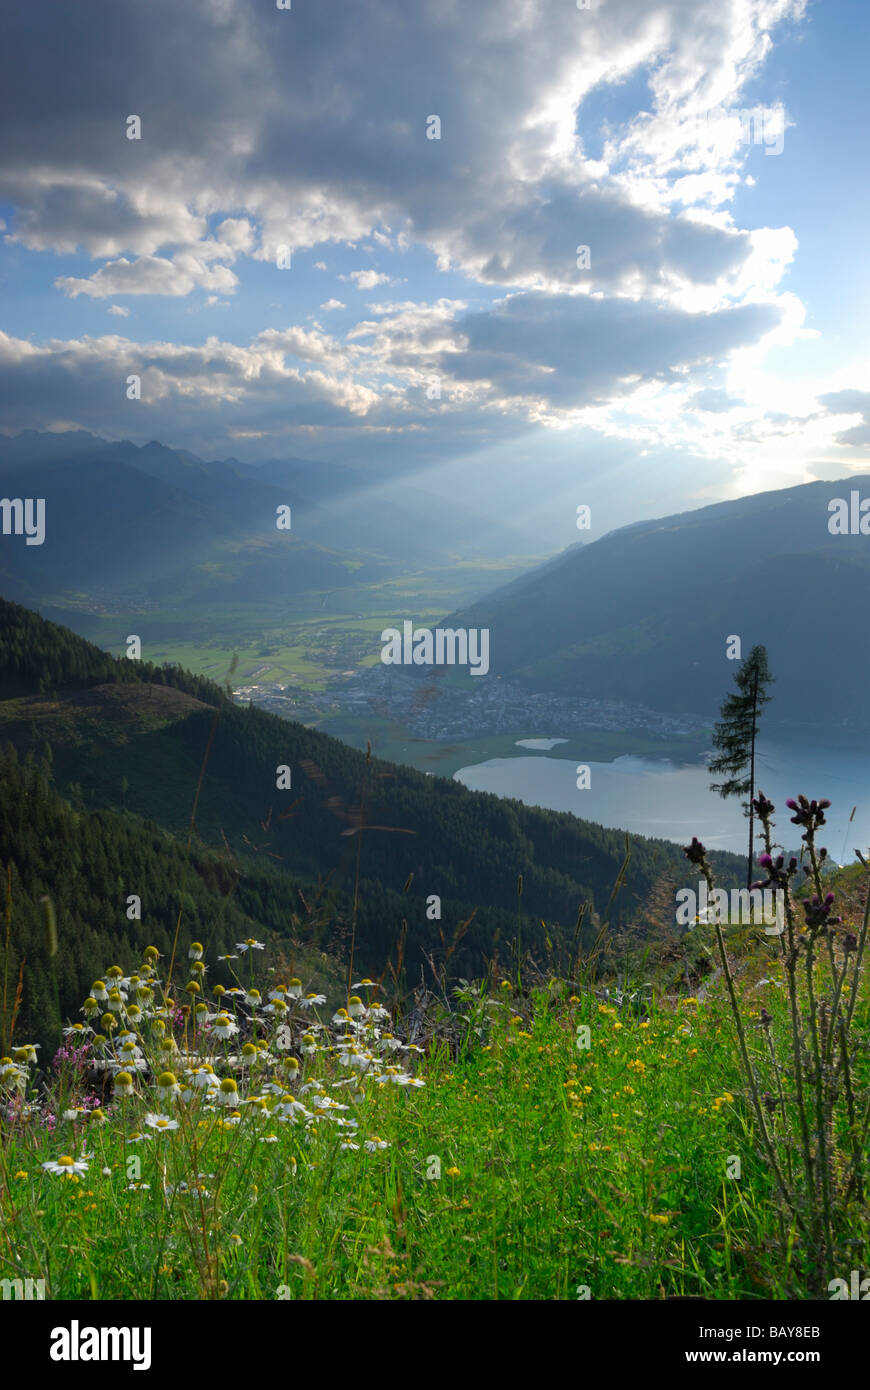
(65, 1166)
(160, 1122)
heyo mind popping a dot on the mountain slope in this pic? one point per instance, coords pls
(643, 613)
(146, 743)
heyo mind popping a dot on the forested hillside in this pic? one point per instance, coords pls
(133, 748)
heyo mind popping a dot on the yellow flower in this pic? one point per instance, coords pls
(452, 1172)
(659, 1220)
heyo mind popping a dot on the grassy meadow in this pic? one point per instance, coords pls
(542, 1141)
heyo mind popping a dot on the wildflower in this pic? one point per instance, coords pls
(372, 1145)
(65, 1166)
(294, 989)
(308, 1044)
(224, 1027)
(167, 1085)
(249, 945)
(253, 998)
(99, 991)
(195, 951)
(90, 1008)
(97, 1116)
(660, 1220)
(452, 1172)
(311, 1001)
(227, 1092)
(356, 1008)
(161, 1122)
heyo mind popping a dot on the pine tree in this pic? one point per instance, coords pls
(735, 736)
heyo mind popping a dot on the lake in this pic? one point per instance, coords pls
(670, 801)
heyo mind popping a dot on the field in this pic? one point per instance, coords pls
(304, 638)
(536, 1145)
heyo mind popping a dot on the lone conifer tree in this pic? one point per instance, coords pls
(734, 737)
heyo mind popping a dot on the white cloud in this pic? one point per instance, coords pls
(333, 304)
(119, 311)
(366, 279)
(150, 275)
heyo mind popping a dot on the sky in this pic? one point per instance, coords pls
(350, 232)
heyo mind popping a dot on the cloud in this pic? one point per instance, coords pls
(314, 131)
(366, 279)
(310, 131)
(850, 402)
(713, 400)
(119, 311)
(150, 275)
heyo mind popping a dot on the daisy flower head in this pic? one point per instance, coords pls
(123, 1084)
(167, 1085)
(161, 1122)
(249, 945)
(308, 1044)
(76, 1030)
(227, 1092)
(224, 1026)
(313, 1001)
(65, 1167)
(195, 951)
(294, 989)
(253, 998)
(355, 1006)
(99, 991)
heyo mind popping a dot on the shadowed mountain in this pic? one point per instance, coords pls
(644, 613)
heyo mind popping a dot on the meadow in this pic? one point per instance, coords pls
(521, 1137)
